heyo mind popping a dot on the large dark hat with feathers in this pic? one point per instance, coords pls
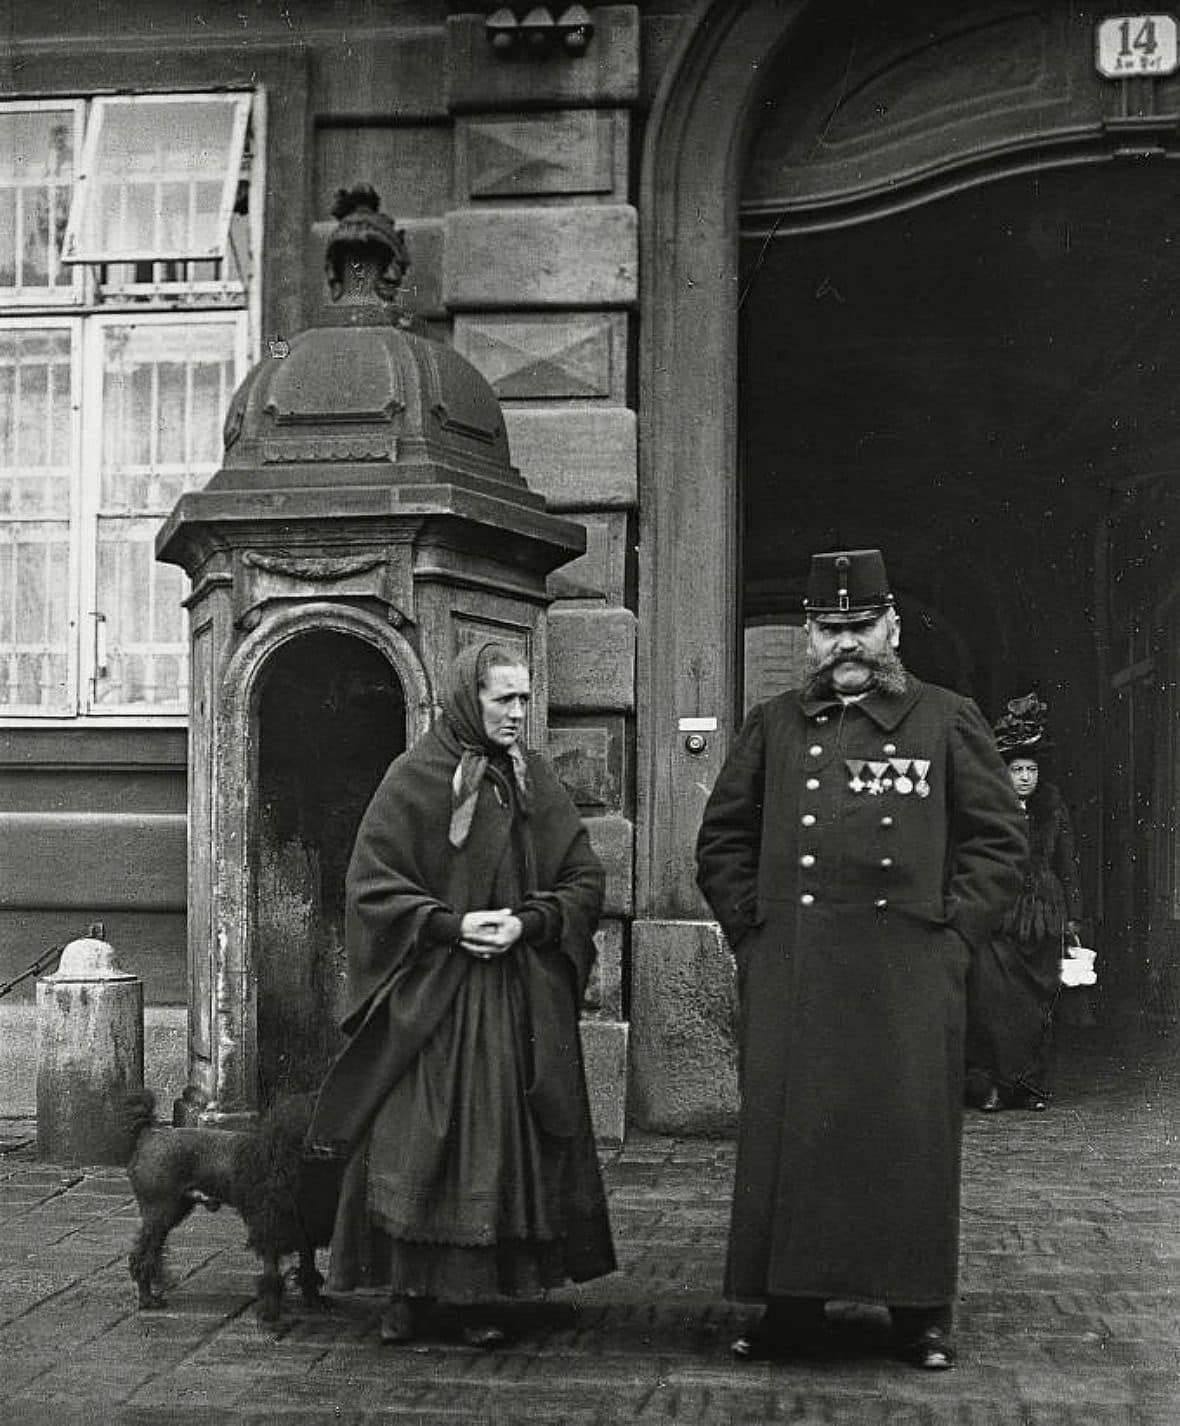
(1020, 732)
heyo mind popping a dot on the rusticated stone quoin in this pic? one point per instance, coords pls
(590, 758)
(584, 255)
(577, 458)
(601, 573)
(604, 1044)
(604, 993)
(592, 659)
(547, 356)
(613, 838)
(683, 1007)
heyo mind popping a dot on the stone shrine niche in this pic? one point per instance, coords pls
(331, 718)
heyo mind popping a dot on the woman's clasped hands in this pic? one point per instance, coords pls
(487, 934)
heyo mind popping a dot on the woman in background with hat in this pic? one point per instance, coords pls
(1014, 984)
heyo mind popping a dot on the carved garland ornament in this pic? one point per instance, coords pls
(316, 568)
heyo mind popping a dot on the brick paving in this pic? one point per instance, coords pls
(1069, 1313)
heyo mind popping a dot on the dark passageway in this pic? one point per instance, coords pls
(985, 386)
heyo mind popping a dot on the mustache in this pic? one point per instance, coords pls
(887, 669)
(867, 660)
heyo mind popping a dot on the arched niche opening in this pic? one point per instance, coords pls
(331, 717)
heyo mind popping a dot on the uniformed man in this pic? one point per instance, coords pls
(861, 838)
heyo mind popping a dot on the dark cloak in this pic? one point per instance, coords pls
(406, 988)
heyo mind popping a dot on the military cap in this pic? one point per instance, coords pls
(852, 583)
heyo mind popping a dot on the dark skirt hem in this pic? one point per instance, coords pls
(457, 1273)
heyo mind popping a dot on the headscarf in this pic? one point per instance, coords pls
(462, 719)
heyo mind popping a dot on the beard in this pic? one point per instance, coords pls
(886, 673)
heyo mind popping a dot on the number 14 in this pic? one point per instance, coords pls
(1144, 40)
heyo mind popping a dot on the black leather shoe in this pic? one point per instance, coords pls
(932, 1350)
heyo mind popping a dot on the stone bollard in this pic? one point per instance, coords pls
(89, 1055)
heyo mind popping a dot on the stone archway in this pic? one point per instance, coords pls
(711, 103)
(251, 859)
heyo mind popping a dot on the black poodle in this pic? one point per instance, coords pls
(287, 1202)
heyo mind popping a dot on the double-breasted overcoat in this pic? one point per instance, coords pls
(853, 853)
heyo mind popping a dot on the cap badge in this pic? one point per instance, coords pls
(843, 565)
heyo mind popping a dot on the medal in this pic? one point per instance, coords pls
(855, 767)
(922, 767)
(877, 786)
(902, 783)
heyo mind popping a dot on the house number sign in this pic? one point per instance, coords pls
(1130, 45)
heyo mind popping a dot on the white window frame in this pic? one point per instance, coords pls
(15, 714)
(85, 309)
(73, 292)
(90, 477)
(73, 250)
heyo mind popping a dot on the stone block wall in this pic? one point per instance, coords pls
(541, 277)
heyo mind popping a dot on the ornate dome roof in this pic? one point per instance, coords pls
(364, 401)
(364, 405)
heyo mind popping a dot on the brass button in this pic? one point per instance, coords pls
(886, 821)
(815, 750)
(886, 861)
(890, 748)
(806, 899)
(881, 903)
(808, 819)
(807, 859)
(812, 784)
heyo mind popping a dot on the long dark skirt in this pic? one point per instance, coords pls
(1011, 992)
(460, 1178)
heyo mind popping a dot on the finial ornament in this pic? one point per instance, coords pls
(367, 256)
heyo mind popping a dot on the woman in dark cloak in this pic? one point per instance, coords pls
(1014, 986)
(460, 1100)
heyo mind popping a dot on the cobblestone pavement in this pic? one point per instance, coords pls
(1068, 1314)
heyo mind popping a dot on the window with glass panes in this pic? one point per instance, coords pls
(127, 257)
